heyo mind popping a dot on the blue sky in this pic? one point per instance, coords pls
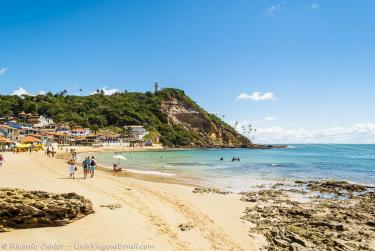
(299, 71)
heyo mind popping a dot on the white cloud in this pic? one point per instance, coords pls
(356, 133)
(3, 70)
(257, 96)
(269, 118)
(42, 93)
(21, 91)
(107, 91)
(315, 6)
(274, 9)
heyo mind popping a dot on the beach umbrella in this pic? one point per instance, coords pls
(119, 158)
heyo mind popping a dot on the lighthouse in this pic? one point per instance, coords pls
(156, 85)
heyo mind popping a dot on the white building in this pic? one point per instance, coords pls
(43, 121)
(138, 132)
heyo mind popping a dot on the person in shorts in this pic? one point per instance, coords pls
(92, 166)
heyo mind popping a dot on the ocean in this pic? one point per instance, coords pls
(354, 163)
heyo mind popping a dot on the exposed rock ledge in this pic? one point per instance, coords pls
(30, 209)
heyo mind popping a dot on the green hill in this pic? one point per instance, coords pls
(168, 114)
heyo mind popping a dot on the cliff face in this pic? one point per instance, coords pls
(208, 130)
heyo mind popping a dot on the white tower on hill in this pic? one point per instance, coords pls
(156, 85)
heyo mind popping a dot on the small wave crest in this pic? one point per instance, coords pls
(149, 172)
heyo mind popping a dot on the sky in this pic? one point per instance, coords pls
(297, 71)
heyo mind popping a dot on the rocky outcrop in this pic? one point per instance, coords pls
(343, 221)
(30, 209)
(209, 190)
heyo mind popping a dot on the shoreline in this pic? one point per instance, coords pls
(131, 174)
(177, 216)
(190, 180)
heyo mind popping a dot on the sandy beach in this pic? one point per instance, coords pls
(148, 219)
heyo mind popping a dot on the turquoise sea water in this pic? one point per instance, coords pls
(355, 163)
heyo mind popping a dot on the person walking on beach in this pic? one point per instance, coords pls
(92, 166)
(85, 166)
(71, 168)
(74, 156)
(1, 160)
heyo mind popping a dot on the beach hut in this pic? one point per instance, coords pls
(4, 143)
(30, 140)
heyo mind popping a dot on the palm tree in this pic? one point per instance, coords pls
(235, 125)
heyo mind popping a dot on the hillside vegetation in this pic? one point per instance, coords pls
(168, 114)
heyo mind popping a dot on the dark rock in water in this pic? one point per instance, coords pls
(30, 209)
(335, 187)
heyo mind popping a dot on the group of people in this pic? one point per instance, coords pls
(50, 151)
(88, 166)
(233, 159)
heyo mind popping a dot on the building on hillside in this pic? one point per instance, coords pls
(62, 129)
(138, 132)
(33, 119)
(79, 132)
(13, 124)
(28, 118)
(109, 137)
(5, 119)
(46, 138)
(41, 122)
(22, 116)
(11, 133)
(91, 139)
(26, 130)
(61, 138)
